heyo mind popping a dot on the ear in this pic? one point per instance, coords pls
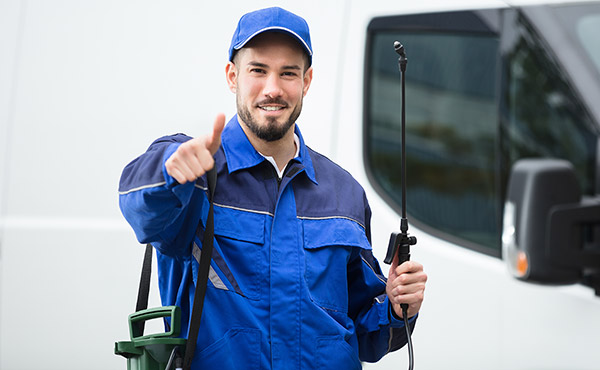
(308, 75)
(231, 76)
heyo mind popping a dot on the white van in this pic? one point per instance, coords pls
(85, 86)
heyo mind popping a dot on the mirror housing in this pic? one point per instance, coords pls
(547, 228)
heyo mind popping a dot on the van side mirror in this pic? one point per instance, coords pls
(550, 235)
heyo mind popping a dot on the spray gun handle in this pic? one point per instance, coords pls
(400, 243)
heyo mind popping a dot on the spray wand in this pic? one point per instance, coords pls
(400, 242)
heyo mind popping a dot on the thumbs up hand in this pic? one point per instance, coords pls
(195, 157)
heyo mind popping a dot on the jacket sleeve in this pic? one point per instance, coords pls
(152, 201)
(378, 331)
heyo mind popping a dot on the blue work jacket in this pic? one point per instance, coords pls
(293, 283)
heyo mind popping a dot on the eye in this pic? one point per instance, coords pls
(289, 74)
(257, 70)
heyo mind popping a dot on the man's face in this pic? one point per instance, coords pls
(270, 81)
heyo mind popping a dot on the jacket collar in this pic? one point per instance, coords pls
(240, 154)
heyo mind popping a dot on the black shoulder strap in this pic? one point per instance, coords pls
(207, 246)
(144, 288)
(203, 269)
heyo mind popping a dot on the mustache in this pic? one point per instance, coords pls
(277, 101)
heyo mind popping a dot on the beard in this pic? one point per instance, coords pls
(273, 130)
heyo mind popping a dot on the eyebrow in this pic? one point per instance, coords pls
(262, 65)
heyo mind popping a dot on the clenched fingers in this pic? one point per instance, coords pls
(191, 160)
(406, 284)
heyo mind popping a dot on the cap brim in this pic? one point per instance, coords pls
(241, 44)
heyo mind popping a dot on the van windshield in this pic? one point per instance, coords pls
(583, 24)
(587, 29)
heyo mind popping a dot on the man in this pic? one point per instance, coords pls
(293, 282)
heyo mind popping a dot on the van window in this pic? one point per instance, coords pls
(451, 128)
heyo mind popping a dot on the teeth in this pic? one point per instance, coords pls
(270, 108)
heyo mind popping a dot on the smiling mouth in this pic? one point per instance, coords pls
(270, 108)
(272, 105)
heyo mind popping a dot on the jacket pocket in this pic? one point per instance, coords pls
(328, 244)
(241, 259)
(333, 353)
(239, 349)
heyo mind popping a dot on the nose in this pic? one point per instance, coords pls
(273, 88)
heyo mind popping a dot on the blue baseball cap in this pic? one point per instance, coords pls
(271, 20)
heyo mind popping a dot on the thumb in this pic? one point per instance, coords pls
(213, 141)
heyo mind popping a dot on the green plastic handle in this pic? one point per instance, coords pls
(153, 313)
